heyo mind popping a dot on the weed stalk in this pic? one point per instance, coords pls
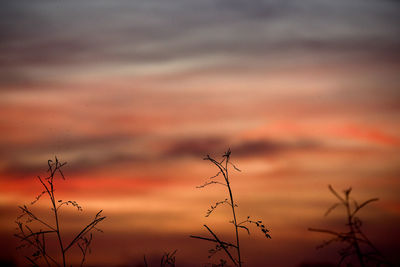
(223, 169)
(354, 237)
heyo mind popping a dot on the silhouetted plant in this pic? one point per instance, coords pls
(223, 170)
(167, 259)
(37, 239)
(357, 243)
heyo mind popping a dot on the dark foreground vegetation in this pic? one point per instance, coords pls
(357, 249)
(36, 233)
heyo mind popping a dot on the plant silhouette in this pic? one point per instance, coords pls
(167, 260)
(38, 239)
(357, 243)
(223, 170)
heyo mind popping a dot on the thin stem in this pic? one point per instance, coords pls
(352, 232)
(44, 249)
(225, 173)
(53, 202)
(233, 209)
(84, 248)
(145, 261)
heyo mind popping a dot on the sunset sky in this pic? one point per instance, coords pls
(134, 94)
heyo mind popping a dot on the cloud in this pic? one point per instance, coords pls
(43, 36)
(85, 154)
(82, 153)
(217, 146)
(80, 162)
(195, 147)
(272, 147)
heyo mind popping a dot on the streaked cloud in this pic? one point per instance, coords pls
(131, 35)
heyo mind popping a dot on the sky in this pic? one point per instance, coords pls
(134, 94)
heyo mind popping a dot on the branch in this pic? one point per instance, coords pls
(213, 240)
(336, 194)
(30, 214)
(212, 208)
(363, 204)
(36, 233)
(85, 230)
(222, 245)
(210, 182)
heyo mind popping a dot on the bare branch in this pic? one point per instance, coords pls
(336, 194)
(363, 205)
(213, 240)
(222, 245)
(86, 229)
(331, 209)
(213, 207)
(210, 182)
